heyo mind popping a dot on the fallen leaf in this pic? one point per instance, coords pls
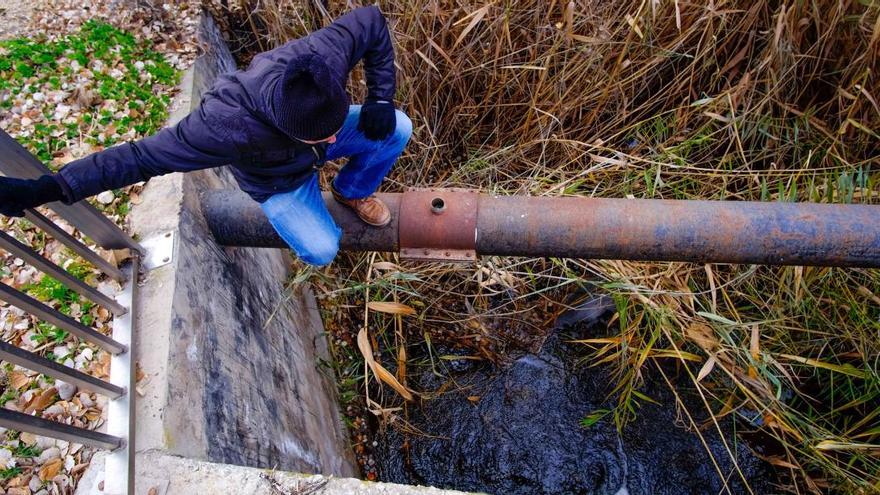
(363, 341)
(79, 467)
(476, 16)
(84, 97)
(41, 401)
(777, 461)
(754, 344)
(831, 445)
(27, 438)
(707, 368)
(703, 336)
(51, 469)
(846, 369)
(385, 265)
(391, 307)
(17, 481)
(401, 364)
(18, 380)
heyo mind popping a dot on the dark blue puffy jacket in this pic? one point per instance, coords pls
(234, 124)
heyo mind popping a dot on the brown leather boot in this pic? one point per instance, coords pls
(370, 209)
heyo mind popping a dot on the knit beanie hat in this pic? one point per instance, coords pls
(310, 101)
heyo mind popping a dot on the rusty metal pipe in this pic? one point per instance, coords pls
(597, 228)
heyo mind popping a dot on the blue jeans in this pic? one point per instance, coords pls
(300, 216)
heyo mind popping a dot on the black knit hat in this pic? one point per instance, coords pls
(310, 101)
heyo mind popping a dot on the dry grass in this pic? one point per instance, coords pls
(745, 100)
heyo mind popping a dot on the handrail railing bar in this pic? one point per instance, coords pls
(74, 244)
(19, 162)
(10, 244)
(26, 359)
(40, 310)
(15, 420)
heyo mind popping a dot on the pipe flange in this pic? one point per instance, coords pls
(438, 225)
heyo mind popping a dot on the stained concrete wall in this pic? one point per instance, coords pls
(231, 358)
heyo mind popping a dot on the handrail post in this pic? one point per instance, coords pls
(119, 465)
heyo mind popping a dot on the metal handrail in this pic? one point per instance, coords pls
(20, 163)
(25, 359)
(9, 244)
(24, 302)
(119, 475)
(25, 422)
(77, 247)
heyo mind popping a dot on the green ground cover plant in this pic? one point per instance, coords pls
(94, 66)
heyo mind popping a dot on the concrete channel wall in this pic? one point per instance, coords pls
(236, 362)
(230, 357)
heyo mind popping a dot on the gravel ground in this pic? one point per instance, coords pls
(13, 17)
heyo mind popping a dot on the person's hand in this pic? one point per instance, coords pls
(17, 195)
(377, 120)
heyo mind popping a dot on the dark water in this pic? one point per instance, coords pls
(523, 434)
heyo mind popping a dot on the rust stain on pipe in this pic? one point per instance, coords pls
(665, 230)
(602, 228)
(438, 224)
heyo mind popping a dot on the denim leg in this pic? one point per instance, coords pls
(302, 220)
(369, 161)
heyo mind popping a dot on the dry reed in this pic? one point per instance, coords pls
(725, 99)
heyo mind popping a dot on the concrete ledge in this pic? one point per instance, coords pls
(172, 475)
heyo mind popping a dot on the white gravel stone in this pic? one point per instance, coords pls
(61, 351)
(6, 459)
(35, 483)
(61, 111)
(65, 390)
(44, 442)
(48, 454)
(54, 409)
(106, 197)
(28, 395)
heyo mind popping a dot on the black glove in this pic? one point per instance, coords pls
(16, 195)
(377, 120)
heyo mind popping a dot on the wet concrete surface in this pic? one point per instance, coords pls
(518, 431)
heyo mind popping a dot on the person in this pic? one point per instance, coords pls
(275, 124)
